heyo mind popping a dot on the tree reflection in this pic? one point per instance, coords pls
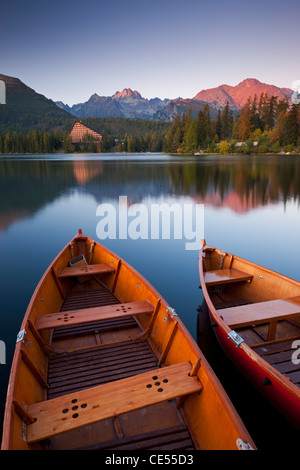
(238, 182)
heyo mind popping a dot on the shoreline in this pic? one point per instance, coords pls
(197, 154)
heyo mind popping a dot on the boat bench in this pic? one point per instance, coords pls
(89, 315)
(262, 312)
(225, 276)
(95, 404)
(85, 270)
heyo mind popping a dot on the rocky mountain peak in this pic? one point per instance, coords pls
(127, 93)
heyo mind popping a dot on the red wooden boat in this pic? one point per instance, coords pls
(255, 314)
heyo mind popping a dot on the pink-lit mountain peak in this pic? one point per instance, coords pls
(127, 93)
(238, 95)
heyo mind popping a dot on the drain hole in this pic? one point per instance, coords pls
(65, 410)
(74, 400)
(84, 405)
(160, 390)
(149, 386)
(165, 381)
(75, 415)
(155, 377)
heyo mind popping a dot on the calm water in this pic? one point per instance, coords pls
(251, 208)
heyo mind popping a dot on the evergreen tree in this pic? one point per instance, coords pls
(290, 128)
(67, 143)
(218, 129)
(7, 147)
(204, 127)
(226, 122)
(191, 140)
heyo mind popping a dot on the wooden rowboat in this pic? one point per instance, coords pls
(103, 362)
(255, 314)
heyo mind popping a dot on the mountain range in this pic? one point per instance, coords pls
(25, 109)
(131, 104)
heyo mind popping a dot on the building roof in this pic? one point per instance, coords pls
(79, 133)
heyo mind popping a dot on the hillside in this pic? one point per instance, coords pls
(26, 110)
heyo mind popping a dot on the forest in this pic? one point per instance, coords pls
(263, 125)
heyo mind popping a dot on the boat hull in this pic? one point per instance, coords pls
(118, 394)
(273, 385)
(270, 386)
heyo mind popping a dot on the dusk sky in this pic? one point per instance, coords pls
(68, 50)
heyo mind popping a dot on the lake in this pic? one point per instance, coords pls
(251, 208)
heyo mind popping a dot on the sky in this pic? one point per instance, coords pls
(68, 50)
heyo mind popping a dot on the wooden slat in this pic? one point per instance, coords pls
(92, 328)
(88, 298)
(85, 407)
(145, 441)
(77, 317)
(176, 435)
(225, 276)
(278, 346)
(88, 270)
(105, 350)
(79, 370)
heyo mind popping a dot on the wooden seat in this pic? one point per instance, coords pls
(225, 276)
(88, 315)
(86, 270)
(262, 312)
(95, 404)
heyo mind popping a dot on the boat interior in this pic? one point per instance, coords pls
(86, 352)
(263, 307)
(105, 352)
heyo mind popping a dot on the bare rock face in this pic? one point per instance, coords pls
(237, 96)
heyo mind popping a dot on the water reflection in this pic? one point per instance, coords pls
(239, 183)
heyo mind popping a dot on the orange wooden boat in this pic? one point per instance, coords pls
(255, 314)
(103, 362)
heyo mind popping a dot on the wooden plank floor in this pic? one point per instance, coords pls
(279, 355)
(78, 370)
(95, 366)
(172, 438)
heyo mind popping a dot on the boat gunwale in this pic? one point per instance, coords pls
(254, 356)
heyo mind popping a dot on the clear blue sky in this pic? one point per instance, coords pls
(69, 49)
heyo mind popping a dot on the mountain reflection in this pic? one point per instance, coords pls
(239, 183)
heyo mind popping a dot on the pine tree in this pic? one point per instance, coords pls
(191, 140)
(290, 128)
(204, 127)
(7, 144)
(226, 122)
(218, 125)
